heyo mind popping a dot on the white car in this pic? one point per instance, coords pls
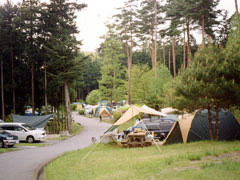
(24, 132)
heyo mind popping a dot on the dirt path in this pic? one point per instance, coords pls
(21, 165)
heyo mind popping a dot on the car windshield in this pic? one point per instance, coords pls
(28, 127)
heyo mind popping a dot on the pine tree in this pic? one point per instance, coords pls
(148, 23)
(29, 21)
(111, 83)
(125, 24)
(62, 47)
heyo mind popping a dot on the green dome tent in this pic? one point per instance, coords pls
(195, 127)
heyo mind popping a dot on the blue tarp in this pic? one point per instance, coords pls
(34, 121)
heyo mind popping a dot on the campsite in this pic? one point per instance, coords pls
(119, 89)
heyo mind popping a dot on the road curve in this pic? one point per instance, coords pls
(21, 165)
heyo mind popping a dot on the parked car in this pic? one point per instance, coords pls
(24, 132)
(7, 140)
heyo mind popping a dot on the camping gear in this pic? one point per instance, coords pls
(137, 138)
(34, 121)
(195, 127)
(159, 128)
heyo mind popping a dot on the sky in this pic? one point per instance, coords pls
(91, 21)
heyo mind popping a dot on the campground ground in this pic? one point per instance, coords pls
(203, 160)
(21, 165)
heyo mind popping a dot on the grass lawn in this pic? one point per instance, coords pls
(3, 150)
(39, 144)
(76, 130)
(193, 161)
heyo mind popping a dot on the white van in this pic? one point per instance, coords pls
(24, 132)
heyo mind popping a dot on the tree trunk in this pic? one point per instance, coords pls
(203, 31)
(188, 44)
(217, 124)
(130, 66)
(33, 91)
(2, 90)
(184, 48)
(152, 53)
(210, 123)
(236, 5)
(129, 75)
(169, 58)
(68, 108)
(45, 83)
(114, 84)
(13, 82)
(164, 56)
(174, 58)
(155, 41)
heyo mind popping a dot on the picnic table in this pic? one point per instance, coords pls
(136, 139)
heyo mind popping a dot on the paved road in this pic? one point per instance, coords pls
(21, 165)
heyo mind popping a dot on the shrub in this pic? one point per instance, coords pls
(73, 107)
(81, 112)
(93, 97)
(116, 116)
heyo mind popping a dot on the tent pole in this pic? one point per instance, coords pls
(152, 137)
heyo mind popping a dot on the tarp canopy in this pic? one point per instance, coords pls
(153, 111)
(34, 121)
(133, 111)
(195, 127)
(104, 113)
(168, 110)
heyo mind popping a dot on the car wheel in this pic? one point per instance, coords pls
(30, 139)
(1, 144)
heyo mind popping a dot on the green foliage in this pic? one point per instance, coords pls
(146, 88)
(73, 107)
(81, 112)
(111, 85)
(198, 86)
(9, 118)
(93, 97)
(116, 116)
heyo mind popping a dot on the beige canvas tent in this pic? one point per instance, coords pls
(104, 113)
(195, 127)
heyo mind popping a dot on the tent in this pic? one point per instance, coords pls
(34, 121)
(100, 108)
(104, 113)
(79, 105)
(195, 127)
(133, 111)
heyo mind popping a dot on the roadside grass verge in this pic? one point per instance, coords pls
(3, 150)
(199, 161)
(38, 144)
(76, 130)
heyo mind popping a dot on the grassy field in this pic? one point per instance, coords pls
(193, 161)
(76, 130)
